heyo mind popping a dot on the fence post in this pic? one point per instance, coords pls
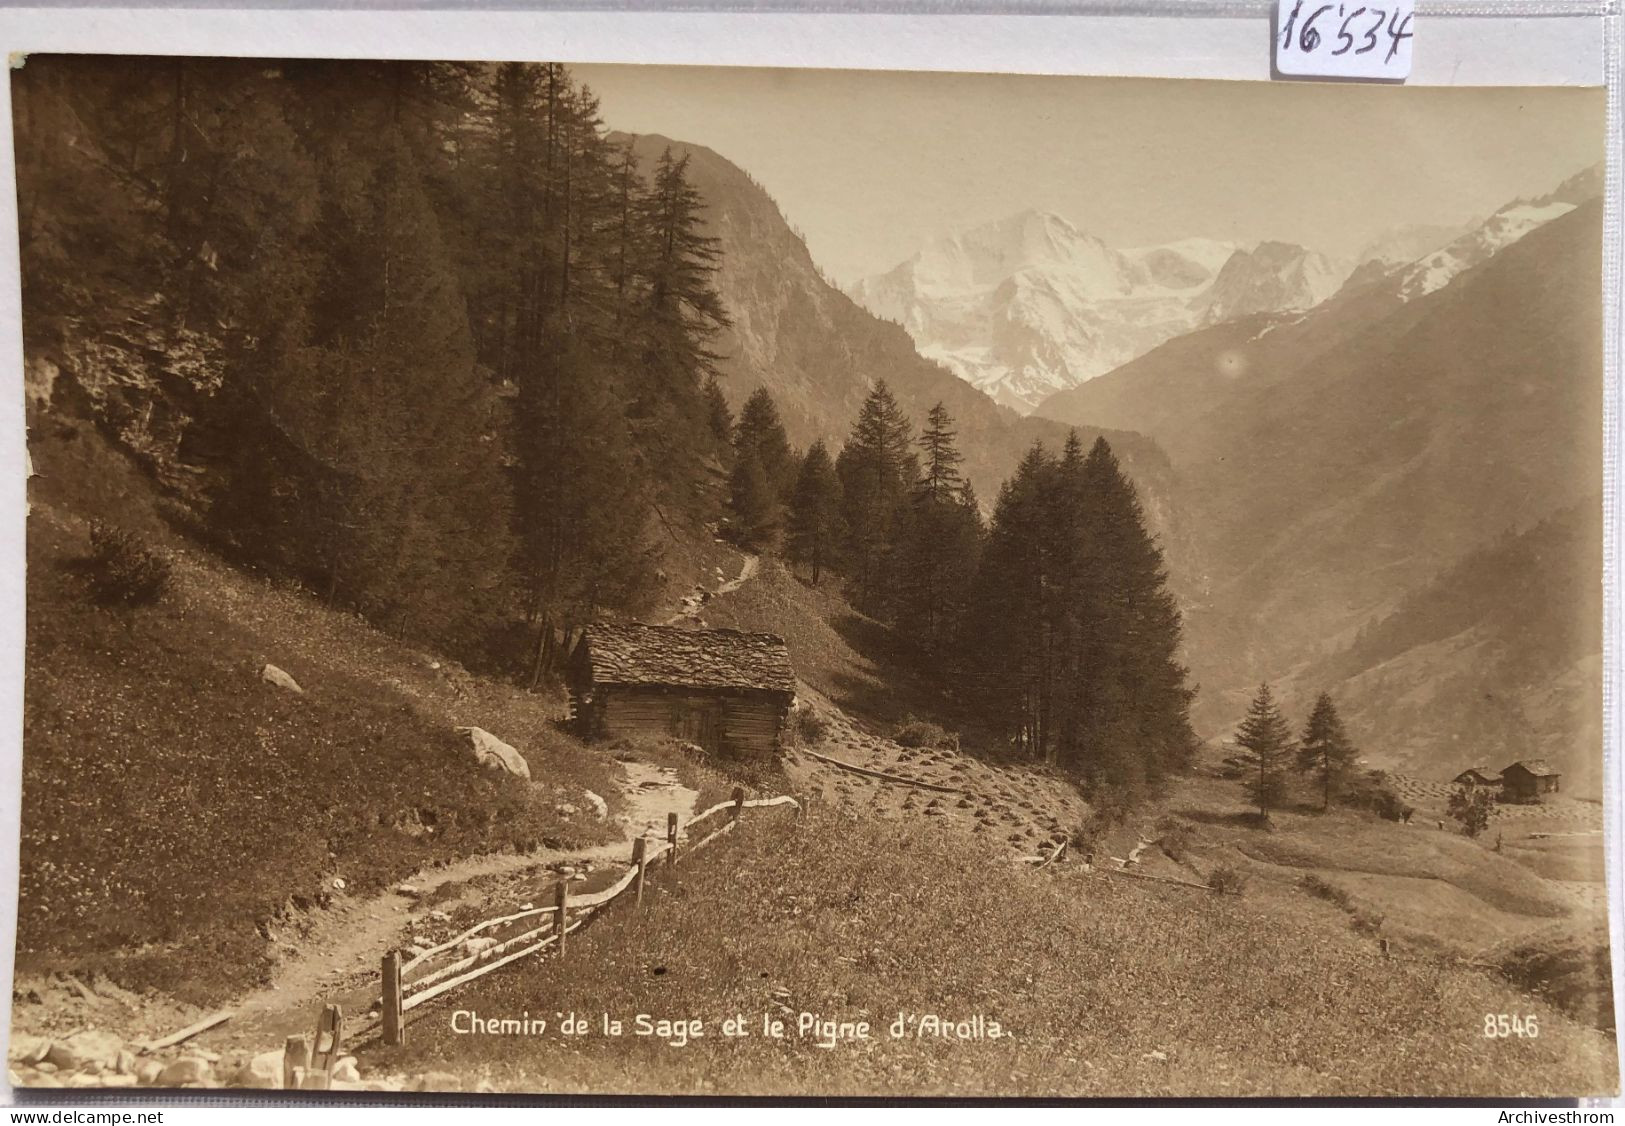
(394, 1034)
(324, 1054)
(739, 803)
(562, 900)
(671, 838)
(639, 848)
(295, 1058)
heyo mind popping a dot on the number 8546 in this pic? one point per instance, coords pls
(1501, 1026)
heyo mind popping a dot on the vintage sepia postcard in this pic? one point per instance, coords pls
(675, 580)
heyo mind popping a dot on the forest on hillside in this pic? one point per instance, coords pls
(424, 339)
(427, 340)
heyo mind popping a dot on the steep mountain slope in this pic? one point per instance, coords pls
(1030, 304)
(1335, 461)
(819, 353)
(1509, 224)
(1164, 393)
(1468, 411)
(1471, 669)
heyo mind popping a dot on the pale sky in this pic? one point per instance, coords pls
(871, 165)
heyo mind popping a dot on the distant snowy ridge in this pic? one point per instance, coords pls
(1031, 304)
(1509, 224)
(1502, 229)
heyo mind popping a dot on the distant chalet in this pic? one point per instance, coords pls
(728, 692)
(1527, 780)
(1476, 777)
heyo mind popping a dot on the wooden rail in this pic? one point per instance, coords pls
(1123, 872)
(1055, 853)
(401, 992)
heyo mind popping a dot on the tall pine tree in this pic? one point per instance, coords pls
(815, 527)
(1325, 750)
(941, 543)
(761, 431)
(877, 469)
(1009, 652)
(1139, 693)
(1076, 636)
(753, 503)
(1266, 742)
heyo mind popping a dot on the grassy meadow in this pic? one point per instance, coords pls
(1105, 986)
(176, 806)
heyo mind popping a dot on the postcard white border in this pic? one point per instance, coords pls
(1451, 50)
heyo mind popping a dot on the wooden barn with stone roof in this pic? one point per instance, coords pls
(1476, 777)
(726, 691)
(1528, 779)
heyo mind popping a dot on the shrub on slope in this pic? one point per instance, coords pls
(174, 804)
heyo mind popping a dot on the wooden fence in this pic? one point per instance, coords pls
(408, 982)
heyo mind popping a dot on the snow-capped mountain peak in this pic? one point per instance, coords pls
(1273, 277)
(983, 257)
(1032, 304)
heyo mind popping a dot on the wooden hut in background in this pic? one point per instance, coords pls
(1476, 777)
(727, 691)
(1528, 779)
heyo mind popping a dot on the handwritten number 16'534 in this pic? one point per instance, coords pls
(1357, 32)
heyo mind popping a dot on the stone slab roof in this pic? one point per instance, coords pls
(635, 654)
(1539, 767)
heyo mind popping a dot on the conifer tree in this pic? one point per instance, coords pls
(679, 312)
(752, 502)
(1076, 633)
(760, 430)
(718, 418)
(1133, 631)
(1325, 749)
(1009, 647)
(939, 449)
(380, 430)
(877, 471)
(451, 338)
(1267, 745)
(815, 527)
(941, 542)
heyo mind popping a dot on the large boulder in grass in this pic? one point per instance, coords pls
(273, 675)
(493, 753)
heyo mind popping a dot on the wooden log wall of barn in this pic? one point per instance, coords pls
(735, 724)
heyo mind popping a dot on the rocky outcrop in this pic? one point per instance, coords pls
(493, 753)
(96, 1058)
(273, 675)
